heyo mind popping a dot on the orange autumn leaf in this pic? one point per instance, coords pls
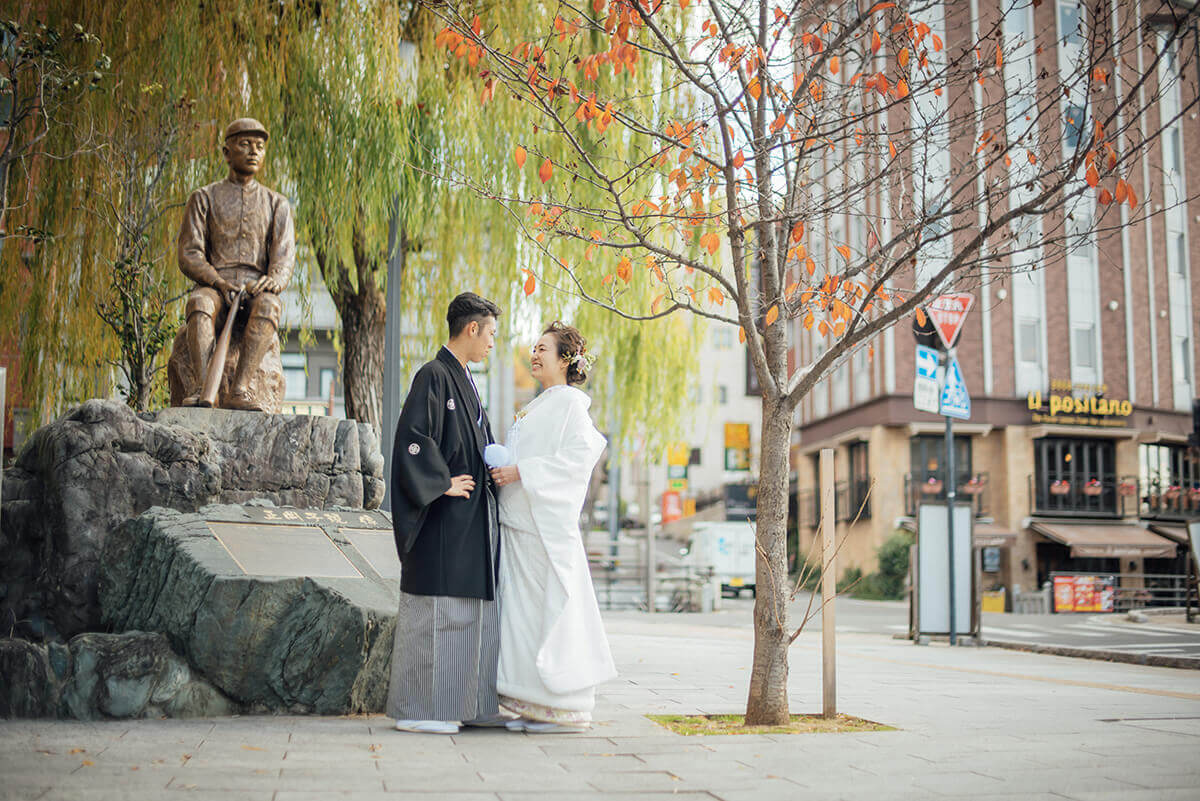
(625, 270)
(519, 156)
(834, 64)
(741, 335)
(920, 317)
(545, 171)
(1122, 192)
(892, 148)
(1032, 158)
(902, 57)
(654, 304)
(1105, 197)
(810, 265)
(1092, 177)
(844, 250)
(808, 321)
(839, 329)
(715, 295)
(772, 315)
(739, 159)
(754, 88)
(530, 284)
(1133, 198)
(823, 328)
(876, 42)
(798, 231)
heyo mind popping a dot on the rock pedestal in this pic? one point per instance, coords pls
(82, 476)
(130, 675)
(266, 384)
(281, 609)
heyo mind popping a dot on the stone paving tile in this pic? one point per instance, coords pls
(659, 781)
(608, 796)
(1183, 794)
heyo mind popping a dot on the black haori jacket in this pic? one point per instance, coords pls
(442, 541)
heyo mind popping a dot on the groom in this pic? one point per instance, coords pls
(444, 519)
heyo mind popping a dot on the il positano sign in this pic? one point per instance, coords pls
(1078, 404)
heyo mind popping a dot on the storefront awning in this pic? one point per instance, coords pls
(989, 535)
(1098, 541)
(983, 535)
(1177, 533)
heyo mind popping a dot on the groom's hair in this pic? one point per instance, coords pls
(466, 308)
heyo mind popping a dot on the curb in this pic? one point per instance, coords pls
(1152, 660)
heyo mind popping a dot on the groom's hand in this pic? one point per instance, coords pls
(460, 486)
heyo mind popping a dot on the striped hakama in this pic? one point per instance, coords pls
(445, 654)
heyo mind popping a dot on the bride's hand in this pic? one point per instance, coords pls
(506, 475)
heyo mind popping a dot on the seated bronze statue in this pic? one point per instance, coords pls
(237, 242)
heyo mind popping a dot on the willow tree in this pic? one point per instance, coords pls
(809, 173)
(354, 125)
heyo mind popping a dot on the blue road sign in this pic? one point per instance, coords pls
(927, 362)
(955, 400)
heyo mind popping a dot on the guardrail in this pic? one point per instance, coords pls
(1119, 592)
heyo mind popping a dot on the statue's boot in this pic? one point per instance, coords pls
(200, 339)
(255, 342)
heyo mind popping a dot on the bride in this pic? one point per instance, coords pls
(553, 650)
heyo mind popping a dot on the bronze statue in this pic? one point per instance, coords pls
(237, 242)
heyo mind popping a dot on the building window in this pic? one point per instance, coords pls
(1075, 476)
(860, 482)
(295, 376)
(694, 458)
(328, 382)
(1169, 481)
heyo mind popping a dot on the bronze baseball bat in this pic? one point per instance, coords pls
(216, 365)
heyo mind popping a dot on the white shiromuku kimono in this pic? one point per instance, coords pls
(553, 650)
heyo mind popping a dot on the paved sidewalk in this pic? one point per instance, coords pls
(982, 723)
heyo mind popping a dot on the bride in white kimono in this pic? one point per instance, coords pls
(553, 650)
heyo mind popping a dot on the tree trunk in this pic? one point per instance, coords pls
(363, 313)
(767, 704)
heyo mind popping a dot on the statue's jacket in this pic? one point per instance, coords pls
(227, 225)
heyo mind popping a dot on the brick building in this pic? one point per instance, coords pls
(1081, 372)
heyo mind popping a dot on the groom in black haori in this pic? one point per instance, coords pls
(444, 517)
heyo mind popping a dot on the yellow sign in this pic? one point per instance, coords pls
(1088, 410)
(678, 453)
(737, 435)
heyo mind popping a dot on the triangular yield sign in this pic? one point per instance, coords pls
(948, 313)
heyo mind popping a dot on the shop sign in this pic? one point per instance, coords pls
(737, 446)
(672, 507)
(1077, 404)
(1084, 593)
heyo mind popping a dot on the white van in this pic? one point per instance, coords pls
(728, 549)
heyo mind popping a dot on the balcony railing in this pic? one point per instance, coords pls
(1163, 501)
(851, 501)
(1095, 497)
(971, 488)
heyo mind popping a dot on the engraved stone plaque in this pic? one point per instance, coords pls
(378, 547)
(280, 550)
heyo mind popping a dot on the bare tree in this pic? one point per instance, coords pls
(812, 172)
(136, 306)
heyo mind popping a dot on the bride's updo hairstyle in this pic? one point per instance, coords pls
(572, 347)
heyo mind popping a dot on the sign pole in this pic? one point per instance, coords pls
(951, 491)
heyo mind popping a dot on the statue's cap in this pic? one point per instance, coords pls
(246, 125)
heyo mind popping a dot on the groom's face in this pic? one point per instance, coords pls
(482, 339)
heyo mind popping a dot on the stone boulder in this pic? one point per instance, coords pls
(281, 609)
(80, 477)
(130, 675)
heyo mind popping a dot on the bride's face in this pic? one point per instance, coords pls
(546, 365)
